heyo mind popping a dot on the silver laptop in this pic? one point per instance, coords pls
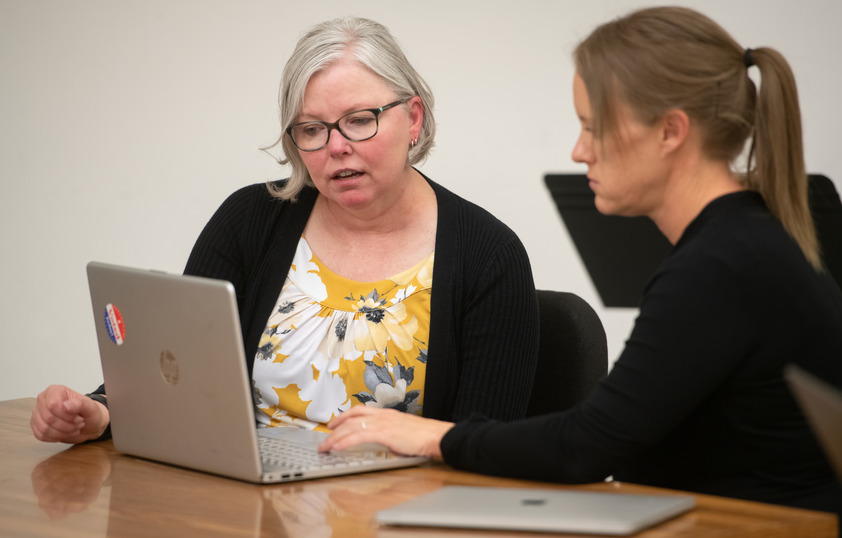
(178, 390)
(537, 510)
(821, 403)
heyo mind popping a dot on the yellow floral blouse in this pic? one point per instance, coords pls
(331, 343)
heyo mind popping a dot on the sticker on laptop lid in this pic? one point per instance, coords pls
(114, 324)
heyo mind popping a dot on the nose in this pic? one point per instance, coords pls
(337, 144)
(582, 149)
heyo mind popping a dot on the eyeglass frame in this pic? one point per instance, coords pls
(335, 125)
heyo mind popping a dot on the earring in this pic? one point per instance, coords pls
(413, 142)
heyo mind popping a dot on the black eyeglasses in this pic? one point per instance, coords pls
(355, 126)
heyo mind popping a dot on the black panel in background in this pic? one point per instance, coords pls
(827, 217)
(621, 253)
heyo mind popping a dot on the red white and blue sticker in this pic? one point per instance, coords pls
(114, 324)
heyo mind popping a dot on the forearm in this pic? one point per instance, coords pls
(533, 448)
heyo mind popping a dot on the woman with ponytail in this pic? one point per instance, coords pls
(697, 400)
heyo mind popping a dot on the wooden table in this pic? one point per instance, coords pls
(91, 490)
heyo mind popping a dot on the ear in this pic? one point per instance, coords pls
(416, 116)
(675, 129)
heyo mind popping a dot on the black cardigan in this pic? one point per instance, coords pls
(484, 315)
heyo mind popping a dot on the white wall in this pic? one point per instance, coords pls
(123, 125)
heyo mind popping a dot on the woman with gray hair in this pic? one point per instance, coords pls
(359, 280)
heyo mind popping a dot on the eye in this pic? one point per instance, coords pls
(589, 129)
(359, 120)
(309, 129)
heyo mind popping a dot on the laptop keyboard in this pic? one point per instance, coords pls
(285, 454)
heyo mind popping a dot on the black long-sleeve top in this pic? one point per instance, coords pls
(697, 400)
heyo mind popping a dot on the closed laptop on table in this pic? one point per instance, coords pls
(537, 510)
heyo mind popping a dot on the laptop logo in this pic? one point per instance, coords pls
(169, 367)
(114, 324)
(533, 502)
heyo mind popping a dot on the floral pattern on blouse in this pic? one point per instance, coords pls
(331, 343)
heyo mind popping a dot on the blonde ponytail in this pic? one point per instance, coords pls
(776, 162)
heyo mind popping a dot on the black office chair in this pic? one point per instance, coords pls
(572, 352)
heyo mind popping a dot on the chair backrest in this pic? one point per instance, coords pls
(572, 352)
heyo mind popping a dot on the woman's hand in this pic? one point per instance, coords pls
(402, 433)
(62, 415)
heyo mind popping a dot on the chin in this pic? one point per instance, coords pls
(603, 207)
(352, 199)
(610, 210)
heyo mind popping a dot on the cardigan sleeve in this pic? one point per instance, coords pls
(498, 336)
(484, 325)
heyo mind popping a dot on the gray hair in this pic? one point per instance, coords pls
(364, 41)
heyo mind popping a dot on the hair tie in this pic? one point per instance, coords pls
(748, 61)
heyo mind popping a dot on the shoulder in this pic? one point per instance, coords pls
(475, 244)
(734, 248)
(251, 194)
(738, 231)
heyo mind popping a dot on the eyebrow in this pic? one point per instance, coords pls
(312, 117)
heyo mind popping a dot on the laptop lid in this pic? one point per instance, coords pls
(821, 403)
(537, 510)
(175, 374)
(173, 365)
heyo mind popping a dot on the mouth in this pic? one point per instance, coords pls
(345, 174)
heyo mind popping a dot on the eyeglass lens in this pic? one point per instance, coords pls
(355, 126)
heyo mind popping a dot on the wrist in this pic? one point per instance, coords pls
(101, 398)
(103, 431)
(434, 447)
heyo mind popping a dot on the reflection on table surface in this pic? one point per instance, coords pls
(90, 490)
